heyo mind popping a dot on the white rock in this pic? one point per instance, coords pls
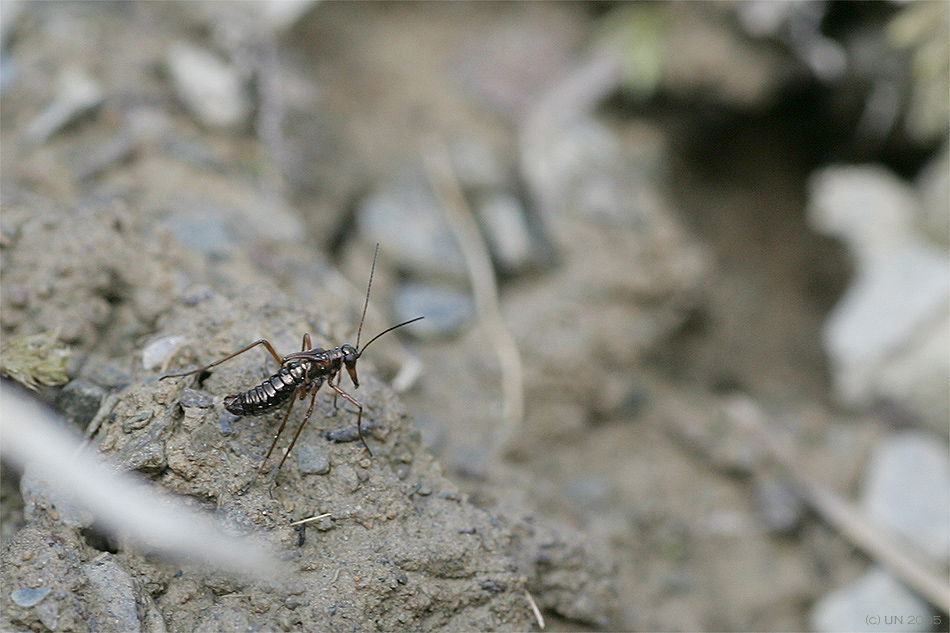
(888, 335)
(211, 89)
(908, 491)
(868, 207)
(156, 353)
(864, 604)
(893, 300)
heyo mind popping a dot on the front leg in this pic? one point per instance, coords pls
(359, 415)
(306, 417)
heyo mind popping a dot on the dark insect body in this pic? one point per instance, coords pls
(301, 374)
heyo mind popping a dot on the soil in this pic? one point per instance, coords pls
(623, 501)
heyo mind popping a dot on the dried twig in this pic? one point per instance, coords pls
(313, 518)
(484, 288)
(841, 514)
(535, 610)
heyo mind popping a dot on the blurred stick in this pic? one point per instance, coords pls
(33, 437)
(841, 514)
(482, 275)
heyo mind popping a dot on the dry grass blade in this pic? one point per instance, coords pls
(534, 609)
(484, 288)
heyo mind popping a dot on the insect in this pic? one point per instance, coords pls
(301, 374)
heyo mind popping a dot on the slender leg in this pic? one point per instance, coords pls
(262, 341)
(313, 400)
(336, 389)
(280, 430)
(304, 347)
(359, 415)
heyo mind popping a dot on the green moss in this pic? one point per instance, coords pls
(38, 359)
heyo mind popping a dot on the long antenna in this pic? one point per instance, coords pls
(366, 302)
(390, 329)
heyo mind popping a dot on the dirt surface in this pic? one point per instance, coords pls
(624, 499)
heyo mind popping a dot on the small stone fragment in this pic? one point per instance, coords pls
(28, 597)
(78, 94)
(211, 89)
(311, 460)
(157, 352)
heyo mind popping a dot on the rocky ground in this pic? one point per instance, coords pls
(179, 180)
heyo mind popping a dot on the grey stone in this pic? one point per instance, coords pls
(887, 336)
(410, 226)
(115, 595)
(506, 229)
(138, 420)
(79, 401)
(157, 352)
(195, 398)
(589, 491)
(311, 460)
(446, 310)
(145, 450)
(107, 376)
(780, 508)
(203, 231)
(28, 597)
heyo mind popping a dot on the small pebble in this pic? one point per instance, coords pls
(108, 377)
(195, 398)
(494, 586)
(211, 89)
(138, 421)
(116, 151)
(408, 221)
(156, 353)
(79, 401)
(917, 462)
(206, 231)
(311, 460)
(194, 295)
(848, 607)
(27, 597)
(347, 433)
(779, 506)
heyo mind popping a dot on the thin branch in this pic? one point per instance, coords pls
(482, 275)
(843, 515)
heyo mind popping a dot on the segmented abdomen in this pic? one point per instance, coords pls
(270, 394)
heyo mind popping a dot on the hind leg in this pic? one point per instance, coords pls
(263, 341)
